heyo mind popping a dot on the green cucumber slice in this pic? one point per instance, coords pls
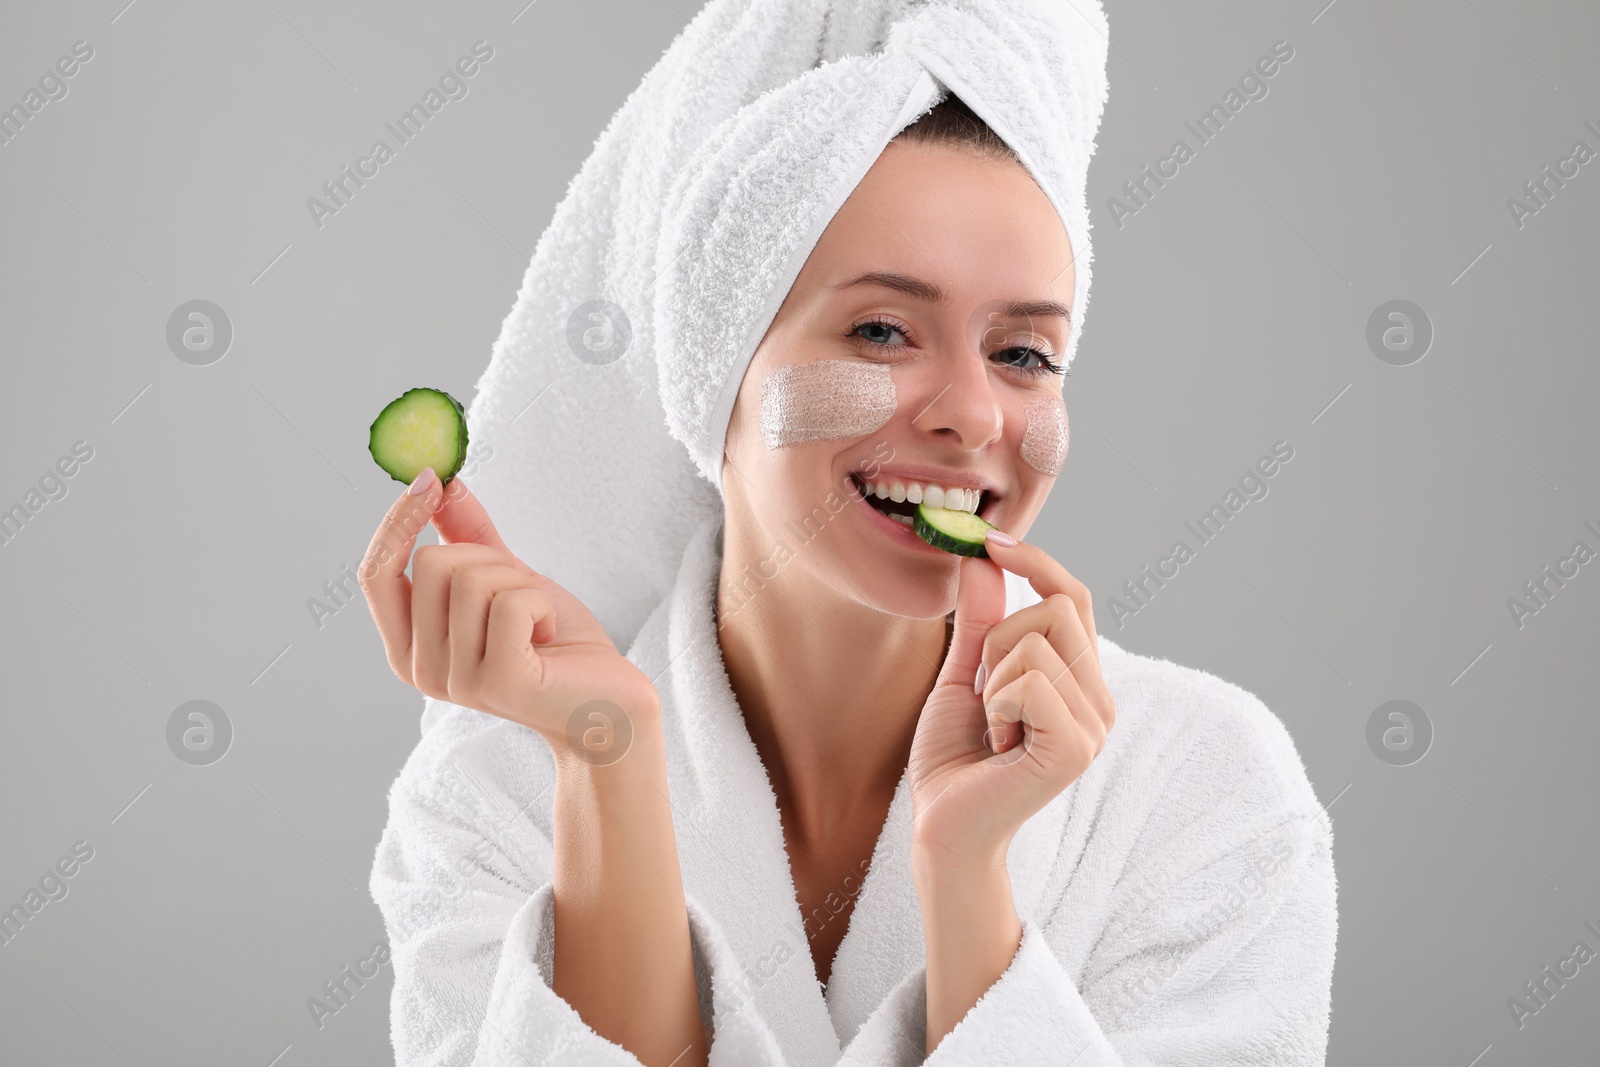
(421, 428)
(960, 532)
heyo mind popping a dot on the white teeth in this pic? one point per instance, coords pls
(904, 520)
(935, 496)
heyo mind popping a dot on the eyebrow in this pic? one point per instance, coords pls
(924, 290)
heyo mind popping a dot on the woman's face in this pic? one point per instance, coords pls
(914, 347)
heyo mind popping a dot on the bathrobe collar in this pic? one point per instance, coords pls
(734, 859)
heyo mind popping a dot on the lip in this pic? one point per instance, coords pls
(990, 501)
(897, 530)
(924, 474)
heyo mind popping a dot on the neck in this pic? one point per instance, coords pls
(831, 689)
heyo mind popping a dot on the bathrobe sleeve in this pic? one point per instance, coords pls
(462, 876)
(1207, 943)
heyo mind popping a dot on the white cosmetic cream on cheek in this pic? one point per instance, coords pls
(1044, 442)
(825, 400)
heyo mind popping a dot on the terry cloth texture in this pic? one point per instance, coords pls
(1177, 901)
(608, 394)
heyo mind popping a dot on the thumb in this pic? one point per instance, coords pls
(461, 518)
(980, 605)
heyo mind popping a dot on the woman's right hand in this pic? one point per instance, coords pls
(478, 627)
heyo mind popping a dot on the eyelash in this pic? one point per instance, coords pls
(1049, 365)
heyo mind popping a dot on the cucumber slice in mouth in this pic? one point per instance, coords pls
(420, 428)
(960, 532)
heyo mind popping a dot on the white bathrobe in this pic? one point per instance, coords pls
(1177, 901)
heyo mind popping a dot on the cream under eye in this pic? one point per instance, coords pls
(1044, 444)
(829, 399)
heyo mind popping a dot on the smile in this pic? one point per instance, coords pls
(890, 507)
(898, 497)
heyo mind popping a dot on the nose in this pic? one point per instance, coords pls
(956, 399)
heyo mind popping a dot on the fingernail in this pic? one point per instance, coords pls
(983, 676)
(1000, 537)
(422, 482)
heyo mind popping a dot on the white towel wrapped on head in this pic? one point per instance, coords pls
(609, 391)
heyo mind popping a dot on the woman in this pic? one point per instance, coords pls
(836, 804)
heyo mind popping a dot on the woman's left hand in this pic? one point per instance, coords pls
(981, 765)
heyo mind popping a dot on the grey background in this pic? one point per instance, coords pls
(1229, 313)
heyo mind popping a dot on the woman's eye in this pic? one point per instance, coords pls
(879, 333)
(1023, 358)
(1045, 364)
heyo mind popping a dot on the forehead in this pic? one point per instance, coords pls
(981, 228)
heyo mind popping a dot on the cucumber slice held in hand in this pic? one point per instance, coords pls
(960, 532)
(421, 428)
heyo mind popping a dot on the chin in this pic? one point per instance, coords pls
(890, 567)
(909, 596)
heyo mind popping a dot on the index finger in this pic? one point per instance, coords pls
(462, 517)
(1048, 577)
(980, 606)
(382, 574)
